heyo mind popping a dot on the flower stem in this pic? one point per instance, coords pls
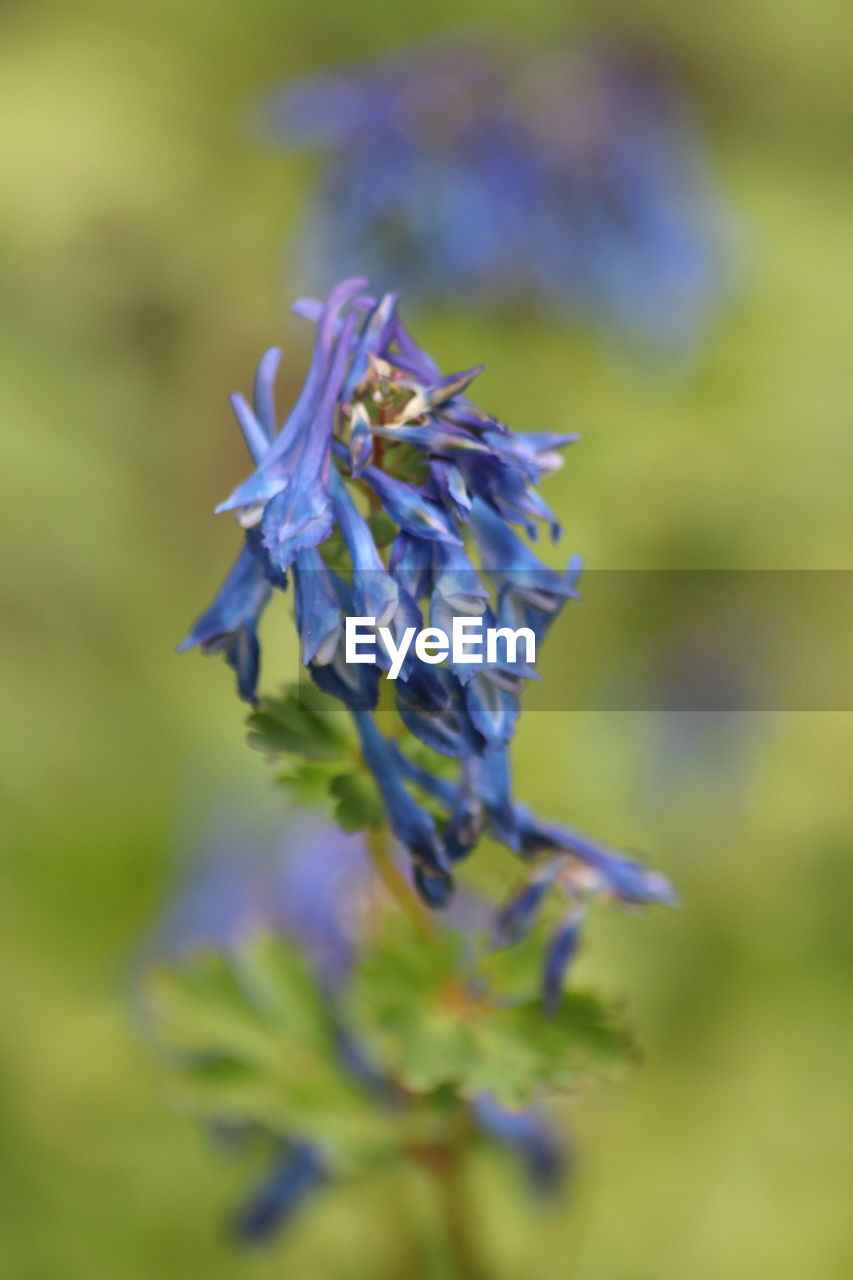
(458, 1222)
(395, 882)
(446, 1165)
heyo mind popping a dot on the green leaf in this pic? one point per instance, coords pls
(404, 462)
(308, 781)
(434, 1024)
(382, 527)
(250, 1037)
(335, 554)
(358, 803)
(522, 1050)
(302, 722)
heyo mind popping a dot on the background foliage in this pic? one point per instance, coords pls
(143, 273)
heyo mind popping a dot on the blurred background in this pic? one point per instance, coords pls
(145, 266)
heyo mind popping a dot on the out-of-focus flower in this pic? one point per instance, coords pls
(471, 171)
(529, 1132)
(295, 1175)
(315, 887)
(561, 859)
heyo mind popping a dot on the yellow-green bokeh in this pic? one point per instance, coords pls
(144, 270)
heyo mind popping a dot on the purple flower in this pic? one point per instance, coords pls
(562, 950)
(229, 626)
(288, 495)
(528, 1132)
(315, 887)
(451, 481)
(479, 172)
(562, 858)
(375, 593)
(297, 1173)
(311, 886)
(411, 824)
(378, 433)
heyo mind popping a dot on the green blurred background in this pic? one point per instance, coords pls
(144, 271)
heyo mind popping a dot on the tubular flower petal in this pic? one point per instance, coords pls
(375, 593)
(518, 916)
(407, 507)
(229, 626)
(319, 618)
(529, 1132)
(376, 417)
(560, 954)
(297, 1174)
(411, 824)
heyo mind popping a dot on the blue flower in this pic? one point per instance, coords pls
(517, 916)
(317, 888)
(319, 617)
(410, 561)
(377, 418)
(582, 868)
(293, 887)
(456, 580)
(517, 570)
(529, 1132)
(296, 1174)
(607, 870)
(562, 858)
(561, 951)
(288, 495)
(356, 684)
(378, 431)
(375, 593)
(483, 174)
(229, 626)
(431, 703)
(410, 508)
(411, 824)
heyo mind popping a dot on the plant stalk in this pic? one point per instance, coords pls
(445, 1163)
(395, 882)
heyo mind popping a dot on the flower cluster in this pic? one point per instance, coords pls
(316, 889)
(478, 173)
(387, 493)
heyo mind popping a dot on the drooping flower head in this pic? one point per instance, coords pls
(479, 171)
(381, 447)
(363, 1033)
(389, 494)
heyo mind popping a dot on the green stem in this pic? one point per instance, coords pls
(445, 1163)
(453, 1198)
(396, 883)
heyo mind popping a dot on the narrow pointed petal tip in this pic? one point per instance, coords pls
(264, 390)
(319, 618)
(229, 625)
(530, 1133)
(298, 1174)
(255, 435)
(435, 890)
(517, 917)
(561, 951)
(413, 826)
